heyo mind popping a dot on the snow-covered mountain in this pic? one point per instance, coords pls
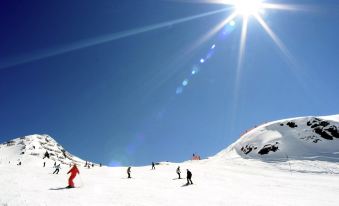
(296, 138)
(31, 149)
(304, 171)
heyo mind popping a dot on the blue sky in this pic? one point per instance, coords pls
(126, 101)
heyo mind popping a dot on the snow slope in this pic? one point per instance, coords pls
(31, 149)
(296, 138)
(229, 178)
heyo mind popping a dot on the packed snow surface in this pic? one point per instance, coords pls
(300, 171)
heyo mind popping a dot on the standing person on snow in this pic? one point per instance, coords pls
(46, 155)
(189, 177)
(129, 172)
(178, 171)
(57, 169)
(74, 171)
(153, 166)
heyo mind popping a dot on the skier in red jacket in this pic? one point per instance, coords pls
(73, 172)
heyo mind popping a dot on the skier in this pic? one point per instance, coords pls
(153, 166)
(57, 169)
(44, 164)
(74, 171)
(178, 171)
(129, 172)
(189, 177)
(46, 155)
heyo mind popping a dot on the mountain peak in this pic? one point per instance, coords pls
(295, 138)
(32, 148)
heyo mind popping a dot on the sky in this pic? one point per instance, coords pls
(126, 82)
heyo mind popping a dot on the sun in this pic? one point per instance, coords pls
(248, 7)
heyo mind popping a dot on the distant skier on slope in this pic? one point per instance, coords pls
(129, 172)
(46, 155)
(74, 171)
(189, 177)
(153, 166)
(178, 171)
(57, 169)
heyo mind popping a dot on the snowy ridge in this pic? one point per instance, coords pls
(31, 149)
(296, 138)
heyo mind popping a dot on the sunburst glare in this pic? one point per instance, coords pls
(244, 10)
(248, 7)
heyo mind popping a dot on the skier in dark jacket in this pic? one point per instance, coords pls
(46, 155)
(153, 166)
(189, 177)
(178, 171)
(129, 172)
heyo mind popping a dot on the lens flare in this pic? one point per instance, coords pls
(195, 69)
(248, 7)
(185, 82)
(179, 90)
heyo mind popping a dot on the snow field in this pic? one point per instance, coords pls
(233, 181)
